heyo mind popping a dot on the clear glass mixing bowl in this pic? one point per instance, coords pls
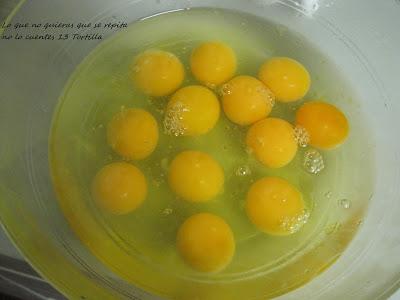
(360, 36)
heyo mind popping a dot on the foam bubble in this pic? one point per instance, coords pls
(267, 94)
(167, 211)
(173, 120)
(313, 161)
(345, 203)
(243, 171)
(226, 89)
(301, 136)
(294, 224)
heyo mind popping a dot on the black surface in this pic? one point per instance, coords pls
(6, 297)
(20, 281)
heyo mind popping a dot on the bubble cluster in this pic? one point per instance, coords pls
(301, 136)
(294, 224)
(268, 95)
(167, 211)
(226, 89)
(313, 161)
(156, 183)
(243, 171)
(211, 86)
(173, 120)
(345, 203)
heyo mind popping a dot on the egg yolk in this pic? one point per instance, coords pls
(195, 176)
(119, 188)
(246, 100)
(133, 134)
(157, 73)
(206, 242)
(275, 206)
(192, 111)
(273, 142)
(213, 63)
(286, 78)
(325, 123)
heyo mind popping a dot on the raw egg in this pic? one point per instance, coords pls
(275, 206)
(246, 100)
(195, 176)
(133, 133)
(206, 242)
(326, 124)
(273, 142)
(288, 79)
(213, 63)
(192, 111)
(157, 73)
(119, 188)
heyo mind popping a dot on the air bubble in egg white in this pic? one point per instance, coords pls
(243, 171)
(211, 86)
(173, 120)
(225, 90)
(345, 203)
(294, 224)
(301, 136)
(268, 95)
(167, 211)
(313, 161)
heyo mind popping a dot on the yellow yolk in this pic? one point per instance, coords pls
(272, 141)
(286, 78)
(206, 242)
(275, 206)
(213, 63)
(246, 100)
(119, 188)
(192, 111)
(325, 123)
(195, 176)
(157, 73)
(133, 134)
